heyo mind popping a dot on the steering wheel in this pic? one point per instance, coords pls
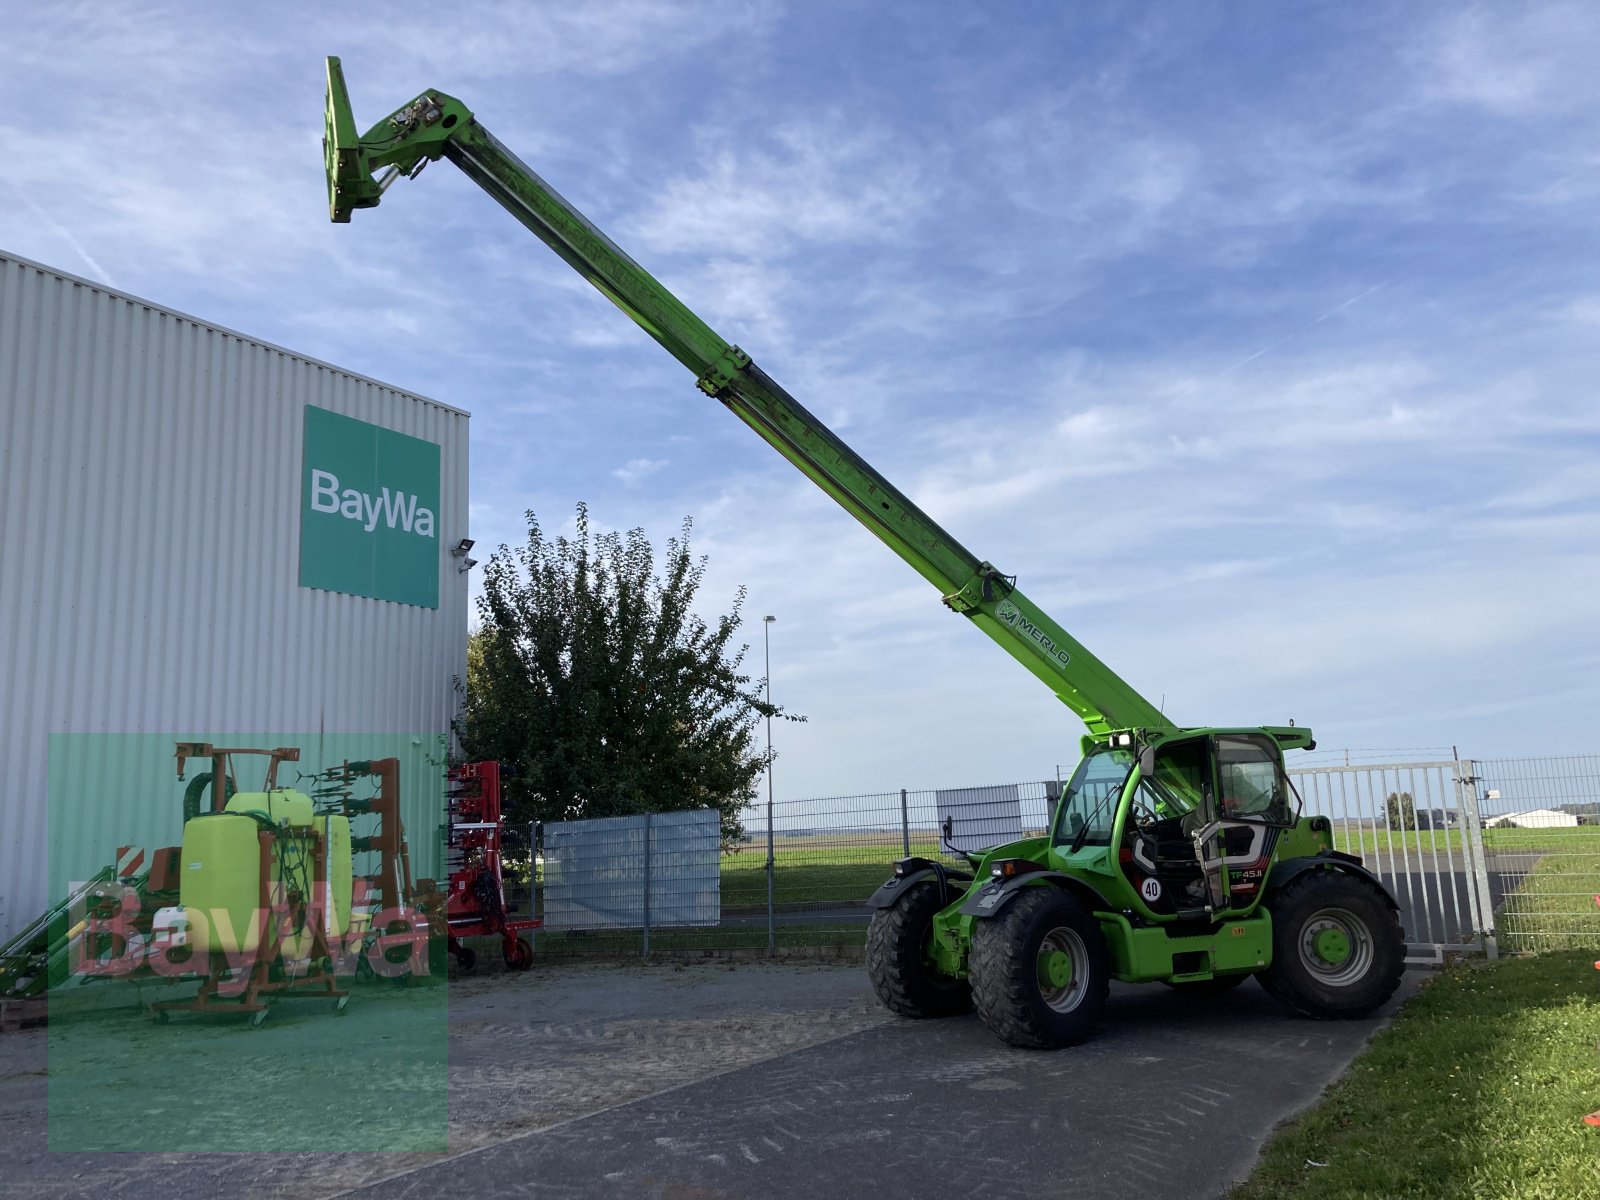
(1143, 815)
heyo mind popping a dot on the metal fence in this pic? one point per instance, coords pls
(1467, 879)
(829, 855)
(1541, 832)
(653, 871)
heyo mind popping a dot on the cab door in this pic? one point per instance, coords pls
(1246, 806)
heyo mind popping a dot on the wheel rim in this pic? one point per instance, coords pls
(1062, 963)
(1336, 946)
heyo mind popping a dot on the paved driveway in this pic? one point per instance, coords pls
(1171, 1100)
(774, 1081)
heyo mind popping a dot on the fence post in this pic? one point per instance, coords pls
(1467, 781)
(646, 951)
(772, 912)
(905, 825)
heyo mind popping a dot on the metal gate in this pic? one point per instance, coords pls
(1416, 826)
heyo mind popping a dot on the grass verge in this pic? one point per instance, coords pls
(1554, 908)
(1479, 1088)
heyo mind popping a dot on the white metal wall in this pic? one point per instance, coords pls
(150, 479)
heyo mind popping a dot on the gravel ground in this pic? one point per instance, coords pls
(525, 1052)
(536, 1051)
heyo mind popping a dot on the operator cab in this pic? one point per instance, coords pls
(1201, 820)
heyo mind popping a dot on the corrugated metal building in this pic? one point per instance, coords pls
(179, 559)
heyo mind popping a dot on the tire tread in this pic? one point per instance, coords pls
(1279, 980)
(1003, 971)
(896, 964)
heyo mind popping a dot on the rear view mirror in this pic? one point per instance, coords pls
(1147, 762)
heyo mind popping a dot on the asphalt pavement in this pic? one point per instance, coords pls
(1170, 1101)
(720, 1080)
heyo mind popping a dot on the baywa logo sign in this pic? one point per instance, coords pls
(1008, 613)
(369, 511)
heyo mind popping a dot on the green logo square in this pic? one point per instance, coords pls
(369, 511)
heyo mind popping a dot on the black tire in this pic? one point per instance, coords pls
(1214, 986)
(1013, 955)
(466, 958)
(520, 956)
(1337, 949)
(898, 964)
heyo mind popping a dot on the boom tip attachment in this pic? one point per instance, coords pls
(350, 181)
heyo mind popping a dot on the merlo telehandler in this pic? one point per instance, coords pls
(1176, 855)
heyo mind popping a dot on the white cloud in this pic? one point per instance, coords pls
(596, 39)
(1582, 310)
(1512, 60)
(637, 470)
(817, 180)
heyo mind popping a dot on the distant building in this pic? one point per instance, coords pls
(1438, 818)
(1536, 818)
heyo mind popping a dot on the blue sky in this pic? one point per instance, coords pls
(1257, 340)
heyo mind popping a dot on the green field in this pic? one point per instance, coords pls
(1478, 1089)
(814, 870)
(822, 868)
(1357, 840)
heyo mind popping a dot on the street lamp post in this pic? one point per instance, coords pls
(772, 931)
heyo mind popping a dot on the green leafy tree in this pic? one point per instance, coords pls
(1402, 810)
(592, 677)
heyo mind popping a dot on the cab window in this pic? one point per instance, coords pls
(1089, 804)
(1251, 782)
(1181, 777)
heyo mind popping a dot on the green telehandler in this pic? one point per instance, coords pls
(1177, 855)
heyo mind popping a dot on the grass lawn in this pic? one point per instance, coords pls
(1478, 1089)
(1554, 908)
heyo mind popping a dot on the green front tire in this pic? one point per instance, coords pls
(898, 963)
(1040, 970)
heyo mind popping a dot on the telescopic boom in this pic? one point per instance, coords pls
(435, 125)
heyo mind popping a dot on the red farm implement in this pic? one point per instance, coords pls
(476, 900)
